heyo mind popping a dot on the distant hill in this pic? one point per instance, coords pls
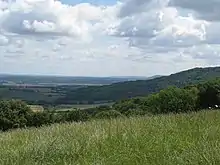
(124, 90)
(132, 78)
(31, 80)
(45, 90)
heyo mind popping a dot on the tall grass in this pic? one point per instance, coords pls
(184, 139)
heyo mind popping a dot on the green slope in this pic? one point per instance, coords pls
(184, 139)
(125, 90)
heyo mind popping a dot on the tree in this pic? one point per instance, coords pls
(13, 114)
(126, 105)
(209, 93)
(39, 119)
(173, 100)
(77, 116)
(177, 100)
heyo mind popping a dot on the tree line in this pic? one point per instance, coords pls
(17, 114)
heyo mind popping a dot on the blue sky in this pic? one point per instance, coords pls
(96, 2)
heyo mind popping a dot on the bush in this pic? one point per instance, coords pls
(108, 114)
(151, 103)
(13, 114)
(135, 112)
(93, 111)
(77, 115)
(209, 94)
(126, 105)
(40, 118)
(173, 100)
(59, 117)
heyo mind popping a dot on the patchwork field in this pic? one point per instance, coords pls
(35, 94)
(166, 139)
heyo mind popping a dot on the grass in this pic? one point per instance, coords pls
(184, 139)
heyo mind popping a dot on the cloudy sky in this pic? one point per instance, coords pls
(108, 37)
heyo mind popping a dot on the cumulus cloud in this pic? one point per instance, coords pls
(140, 34)
(162, 25)
(168, 24)
(48, 17)
(208, 10)
(3, 40)
(131, 7)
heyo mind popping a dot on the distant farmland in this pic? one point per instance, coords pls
(79, 106)
(35, 94)
(36, 108)
(49, 90)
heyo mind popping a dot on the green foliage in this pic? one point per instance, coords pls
(13, 114)
(209, 94)
(81, 94)
(136, 112)
(41, 95)
(108, 114)
(125, 90)
(16, 114)
(40, 118)
(175, 100)
(170, 100)
(59, 117)
(77, 115)
(93, 111)
(129, 104)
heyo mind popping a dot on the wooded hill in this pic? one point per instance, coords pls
(124, 90)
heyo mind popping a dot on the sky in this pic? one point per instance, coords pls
(108, 37)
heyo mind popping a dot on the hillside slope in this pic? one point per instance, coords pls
(170, 139)
(130, 89)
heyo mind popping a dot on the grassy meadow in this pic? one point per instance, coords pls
(182, 139)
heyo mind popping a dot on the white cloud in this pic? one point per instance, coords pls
(132, 37)
(208, 10)
(3, 40)
(160, 25)
(132, 7)
(49, 17)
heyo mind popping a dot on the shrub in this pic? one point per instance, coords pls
(59, 117)
(126, 105)
(135, 112)
(40, 119)
(209, 94)
(77, 115)
(13, 114)
(93, 111)
(108, 114)
(173, 100)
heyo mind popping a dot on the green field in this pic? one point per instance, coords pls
(35, 94)
(79, 106)
(161, 140)
(63, 108)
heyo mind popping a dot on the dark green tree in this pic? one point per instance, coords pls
(77, 115)
(209, 94)
(108, 114)
(13, 114)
